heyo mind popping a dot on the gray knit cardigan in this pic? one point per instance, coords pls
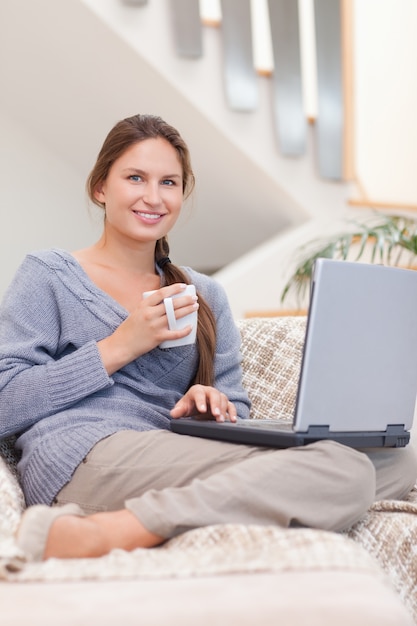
(55, 393)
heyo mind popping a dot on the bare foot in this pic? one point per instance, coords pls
(72, 537)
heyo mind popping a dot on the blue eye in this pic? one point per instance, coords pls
(168, 182)
(135, 177)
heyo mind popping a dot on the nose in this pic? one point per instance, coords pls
(152, 195)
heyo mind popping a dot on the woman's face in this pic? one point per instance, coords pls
(143, 193)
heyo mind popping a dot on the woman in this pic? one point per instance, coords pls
(90, 394)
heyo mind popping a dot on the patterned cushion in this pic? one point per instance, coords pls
(9, 454)
(208, 551)
(11, 496)
(11, 507)
(272, 351)
(389, 533)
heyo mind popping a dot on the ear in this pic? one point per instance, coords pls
(99, 194)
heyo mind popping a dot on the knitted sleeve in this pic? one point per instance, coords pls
(38, 376)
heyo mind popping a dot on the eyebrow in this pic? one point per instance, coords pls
(134, 170)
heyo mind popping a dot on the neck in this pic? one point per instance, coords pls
(140, 257)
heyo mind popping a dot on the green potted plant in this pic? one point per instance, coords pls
(385, 239)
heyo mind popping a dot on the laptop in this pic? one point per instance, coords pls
(358, 379)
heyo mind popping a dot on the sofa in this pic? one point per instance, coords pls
(227, 574)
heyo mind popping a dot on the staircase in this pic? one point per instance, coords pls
(75, 67)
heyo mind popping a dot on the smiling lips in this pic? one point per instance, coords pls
(152, 217)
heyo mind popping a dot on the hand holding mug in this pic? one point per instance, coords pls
(178, 323)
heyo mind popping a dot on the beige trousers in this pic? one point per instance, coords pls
(174, 483)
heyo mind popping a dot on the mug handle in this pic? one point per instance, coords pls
(169, 309)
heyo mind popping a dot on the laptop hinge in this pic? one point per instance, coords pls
(395, 432)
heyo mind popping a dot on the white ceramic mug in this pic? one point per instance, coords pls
(177, 324)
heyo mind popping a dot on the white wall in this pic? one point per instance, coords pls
(42, 201)
(255, 282)
(385, 97)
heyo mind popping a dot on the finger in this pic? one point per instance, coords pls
(199, 394)
(184, 305)
(157, 296)
(194, 400)
(171, 290)
(180, 409)
(185, 406)
(232, 413)
(219, 405)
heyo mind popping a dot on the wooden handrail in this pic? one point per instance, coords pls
(372, 204)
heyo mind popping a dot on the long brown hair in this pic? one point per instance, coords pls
(123, 135)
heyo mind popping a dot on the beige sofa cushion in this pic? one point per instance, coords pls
(222, 549)
(334, 598)
(271, 359)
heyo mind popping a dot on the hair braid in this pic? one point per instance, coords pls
(206, 326)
